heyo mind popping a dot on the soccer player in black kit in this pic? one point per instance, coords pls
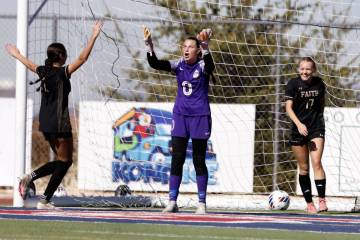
(305, 99)
(54, 79)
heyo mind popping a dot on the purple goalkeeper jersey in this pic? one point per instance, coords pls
(192, 95)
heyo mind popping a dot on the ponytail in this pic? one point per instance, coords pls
(43, 76)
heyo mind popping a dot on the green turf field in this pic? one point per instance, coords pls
(23, 229)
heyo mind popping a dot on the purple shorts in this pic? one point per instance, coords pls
(198, 127)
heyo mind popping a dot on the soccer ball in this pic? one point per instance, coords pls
(279, 200)
(122, 190)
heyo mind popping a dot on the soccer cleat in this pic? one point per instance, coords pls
(46, 206)
(24, 185)
(322, 205)
(201, 209)
(172, 207)
(311, 209)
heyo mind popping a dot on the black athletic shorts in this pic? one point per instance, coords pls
(296, 139)
(52, 136)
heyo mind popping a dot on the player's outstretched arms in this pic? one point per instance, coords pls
(154, 62)
(14, 52)
(84, 55)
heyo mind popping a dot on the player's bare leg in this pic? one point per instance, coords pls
(301, 154)
(316, 151)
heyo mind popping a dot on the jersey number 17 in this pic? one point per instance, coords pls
(309, 103)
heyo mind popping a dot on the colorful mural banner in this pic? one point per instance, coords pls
(130, 143)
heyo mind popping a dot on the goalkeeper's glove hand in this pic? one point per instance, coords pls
(148, 39)
(204, 37)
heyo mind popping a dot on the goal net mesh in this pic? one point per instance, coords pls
(122, 109)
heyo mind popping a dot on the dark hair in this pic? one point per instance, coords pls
(197, 42)
(309, 59)
(55, 53)
(194, 39)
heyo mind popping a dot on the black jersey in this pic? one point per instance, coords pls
(54, 111)
(308, 101)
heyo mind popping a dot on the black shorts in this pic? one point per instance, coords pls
(296, 139)
(52, 136)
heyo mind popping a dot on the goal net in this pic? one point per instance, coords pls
(122, 108)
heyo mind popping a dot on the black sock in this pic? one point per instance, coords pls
(320, 186)
(305, 184)
(44, 170)
(56, 178)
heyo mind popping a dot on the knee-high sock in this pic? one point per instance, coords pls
(174, 185)
(56, 178)
(199, 154)
(46, 169)
(321, 186)
(305, 184)
(202, 182)
(179, 145)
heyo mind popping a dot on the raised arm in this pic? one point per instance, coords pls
(82, 58)
(13, 51)
(157, 64)
(209, 63)
(204, 38)
(154, 62)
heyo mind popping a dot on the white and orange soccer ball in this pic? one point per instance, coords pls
(279, 200)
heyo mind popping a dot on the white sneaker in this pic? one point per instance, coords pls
(24, 182)
(46, 206)
(172, 207)
(201, 209)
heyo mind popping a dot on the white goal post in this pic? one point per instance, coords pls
(20, 128)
